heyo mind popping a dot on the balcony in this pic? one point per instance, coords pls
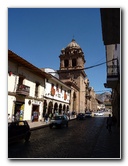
(23, 90)
(112, 76)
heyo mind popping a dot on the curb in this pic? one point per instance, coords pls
(39, 127)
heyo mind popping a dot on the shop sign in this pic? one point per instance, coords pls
(36, 102)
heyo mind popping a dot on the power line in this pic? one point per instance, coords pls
(57, 71)
(103, 91)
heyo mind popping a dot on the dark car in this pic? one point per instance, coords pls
(59, 121)
(18, 130)
(80, 116)
(88, 114)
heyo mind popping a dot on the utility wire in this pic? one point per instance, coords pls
(57, 71)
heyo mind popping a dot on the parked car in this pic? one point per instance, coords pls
(98, 113)
(80, 116)
(18, 130)
(59, 121)
(88, 114)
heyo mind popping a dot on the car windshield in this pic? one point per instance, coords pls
(58, 117)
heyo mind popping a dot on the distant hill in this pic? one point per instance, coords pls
(106, 96)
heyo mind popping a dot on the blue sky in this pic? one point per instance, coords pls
(39, 34)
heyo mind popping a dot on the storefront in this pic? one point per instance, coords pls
(19, 110)
(35, 113)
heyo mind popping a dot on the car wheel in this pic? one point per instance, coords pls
(27, 137)
(50, 126)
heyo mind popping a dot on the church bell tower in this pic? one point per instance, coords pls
(72, 72)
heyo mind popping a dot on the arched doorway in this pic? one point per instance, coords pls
(67, 108)
(50, 107)
(44, 107)
(55, 108)
(64, 108)
(60, 109)
(74, 101)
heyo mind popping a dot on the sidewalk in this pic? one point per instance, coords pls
(41, 124)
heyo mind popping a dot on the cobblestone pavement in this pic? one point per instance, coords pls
(87, 139)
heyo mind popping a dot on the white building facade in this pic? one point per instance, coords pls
(56, 96)
(25, 88)
(33, 92)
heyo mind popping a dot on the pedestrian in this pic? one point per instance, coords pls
(32, 117)
(46, 118)
(56, 113)
(17, 116)
(68, 115)
(109, 123)
(13, 118)
(50, 116)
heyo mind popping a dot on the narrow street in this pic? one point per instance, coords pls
(83, 139)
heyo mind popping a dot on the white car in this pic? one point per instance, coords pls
(98, 114)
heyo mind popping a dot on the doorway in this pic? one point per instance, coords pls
(35, 112)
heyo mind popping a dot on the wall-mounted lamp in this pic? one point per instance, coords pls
(10, 73)
(29, 102)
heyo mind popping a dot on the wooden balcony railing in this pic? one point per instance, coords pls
(23, 90)
(112, 71)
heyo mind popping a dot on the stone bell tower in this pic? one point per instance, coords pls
(72, 73)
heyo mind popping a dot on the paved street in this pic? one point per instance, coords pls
(85, 139)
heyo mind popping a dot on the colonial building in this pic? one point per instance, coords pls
(72, 73)
(25, 88)
(110, 21)
(33, 92)
(90, 97)
(56, 94)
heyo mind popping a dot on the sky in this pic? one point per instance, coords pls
(39, 34)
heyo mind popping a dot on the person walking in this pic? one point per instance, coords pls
(46, 118)
(109, 123)
(50, 117)
(32, 117)
(17, 116)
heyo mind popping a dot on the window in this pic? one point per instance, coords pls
(65, 95)
(21, 80)
(36, 89)
(52, 90)
(57, 88)
(66, 63)
(61, 89)
(73, 62)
